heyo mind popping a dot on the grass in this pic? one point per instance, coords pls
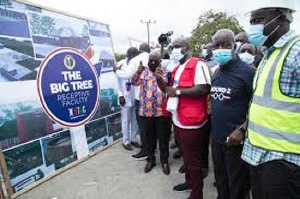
(30, 76)
(31, 64)
(24, 47)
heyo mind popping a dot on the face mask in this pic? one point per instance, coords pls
(246, 57)
(177, 55)
(222, 56)
(238, 47)
(256, 33)
(153, 64)
(204, 53)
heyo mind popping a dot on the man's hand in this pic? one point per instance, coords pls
(141, 68)
(170, 91)
(236, 138)
(122, 100)
(115, 68)
(159, 73)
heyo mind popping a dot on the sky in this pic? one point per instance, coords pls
(124, 16)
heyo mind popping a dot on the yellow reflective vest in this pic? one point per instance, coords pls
(274, 118)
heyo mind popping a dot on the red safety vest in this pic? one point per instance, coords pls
(191, 111)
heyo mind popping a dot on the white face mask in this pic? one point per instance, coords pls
(176, 54)
(246, 57)
(238, 47)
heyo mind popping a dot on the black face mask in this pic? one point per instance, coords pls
(153, 64)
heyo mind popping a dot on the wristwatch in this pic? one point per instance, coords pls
(178, 92)
(241, 128)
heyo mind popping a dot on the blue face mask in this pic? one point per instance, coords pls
(222, 56)
(204, 53)
(256, 33)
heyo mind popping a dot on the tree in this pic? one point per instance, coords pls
(119, 56)
(209, 23)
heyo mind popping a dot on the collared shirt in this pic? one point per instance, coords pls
(289, 85)
(202, 77)
(132, 68)
(151, 97)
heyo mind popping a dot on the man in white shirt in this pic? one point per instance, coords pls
(126, 100)
(142, 58)
(188, 97)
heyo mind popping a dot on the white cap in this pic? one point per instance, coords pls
(283, 4)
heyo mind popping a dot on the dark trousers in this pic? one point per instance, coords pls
(191, 143)
(155, 128)
(231, 172)
(142, 132)
(277, 179)
(206, 141)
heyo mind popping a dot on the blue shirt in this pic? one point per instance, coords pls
(230, 95)
(289, 85)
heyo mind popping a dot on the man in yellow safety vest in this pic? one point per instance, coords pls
(272, 145)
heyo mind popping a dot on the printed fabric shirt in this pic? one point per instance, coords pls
(151, 97)
(289, 85)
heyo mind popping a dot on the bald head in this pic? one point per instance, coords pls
(154, 60)
(224, 38)
(181, 42)
(155, 56)
(241, 37)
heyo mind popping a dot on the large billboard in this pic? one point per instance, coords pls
(34, 143)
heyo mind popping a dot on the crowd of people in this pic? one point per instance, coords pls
(241, 97)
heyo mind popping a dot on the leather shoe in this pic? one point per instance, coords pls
(136, 144)
(173, 146)
(182, 169)
(176, 155)
(166, 168)
(127, 147)
(182, 187)
(149, 166)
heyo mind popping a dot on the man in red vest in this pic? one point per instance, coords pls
(188, 94)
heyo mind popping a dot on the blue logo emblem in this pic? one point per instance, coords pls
(68, 87)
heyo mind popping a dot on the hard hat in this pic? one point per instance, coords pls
(261, 4)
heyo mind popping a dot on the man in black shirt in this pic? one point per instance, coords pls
(230, 95)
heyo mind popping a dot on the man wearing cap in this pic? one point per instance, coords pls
(272, 146)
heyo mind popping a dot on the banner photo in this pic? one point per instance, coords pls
(55, 74)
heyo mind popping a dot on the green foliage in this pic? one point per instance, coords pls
(209, 23)
(119, 56)
(24, 47)
(41, 24)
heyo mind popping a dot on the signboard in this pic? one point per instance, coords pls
(68, 87)
(52, 50)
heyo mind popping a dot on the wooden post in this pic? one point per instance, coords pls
(9, 188)
(1, 191)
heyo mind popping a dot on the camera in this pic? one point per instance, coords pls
(164, 39)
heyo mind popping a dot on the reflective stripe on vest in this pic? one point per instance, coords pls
(274, 118)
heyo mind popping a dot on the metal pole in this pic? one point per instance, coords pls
(148, 22)
(148, 32)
